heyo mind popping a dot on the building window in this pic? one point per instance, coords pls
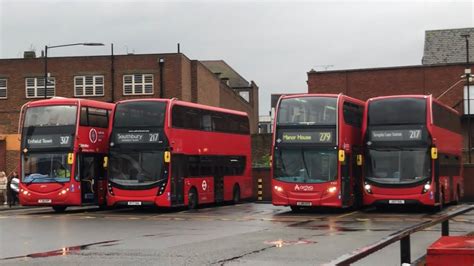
(3, 88)
(88, 86)
(138, 84)
(471, 95)
(35, 87)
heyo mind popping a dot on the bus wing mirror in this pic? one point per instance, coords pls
(167, 156)
(106, 161)
(342, 156)
(434, 153)
(70, 158)
(359, 159)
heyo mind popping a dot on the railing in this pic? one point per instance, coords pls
(403, 236)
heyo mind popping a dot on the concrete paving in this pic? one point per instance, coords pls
(244, 234)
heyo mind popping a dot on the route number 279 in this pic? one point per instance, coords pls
(325, 137)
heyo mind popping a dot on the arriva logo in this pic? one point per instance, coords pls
(303, 188)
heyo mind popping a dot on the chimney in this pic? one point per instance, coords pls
(29, 54)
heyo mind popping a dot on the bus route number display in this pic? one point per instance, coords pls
(48, 141)
(396, 135)
(138, 137)
(307, 137)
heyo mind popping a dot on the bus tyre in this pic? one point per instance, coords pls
(236, 194)
(192, 199)
(59, 208)
(295, 208)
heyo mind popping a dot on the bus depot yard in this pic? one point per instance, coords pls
(243, 234)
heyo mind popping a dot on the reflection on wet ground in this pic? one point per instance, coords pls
(64, 251)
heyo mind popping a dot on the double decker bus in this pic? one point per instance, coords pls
(64, 143)
(316, 145)
(413, 151)
(169, 153)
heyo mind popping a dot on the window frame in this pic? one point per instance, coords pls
(4, 88)
(94, 86)
(143, 84)
(51, 85)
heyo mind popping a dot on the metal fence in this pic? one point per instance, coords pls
(403, 236)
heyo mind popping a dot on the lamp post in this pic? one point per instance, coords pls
(467, 72)
(57, 46)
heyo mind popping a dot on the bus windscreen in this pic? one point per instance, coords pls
(54, 115)
(45, 167)
(397, 111)
(136, 168)
(307, 111)
(300, 165)
(398, 166)
(140, 114)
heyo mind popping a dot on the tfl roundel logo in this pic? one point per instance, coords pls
(93, 135)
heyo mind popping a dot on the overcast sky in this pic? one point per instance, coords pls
(273, 43)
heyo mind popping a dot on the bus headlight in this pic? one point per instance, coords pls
(63, 192)
(332, 189)
(368, 188)
(161, 188)
(278, 188)
(109, 188)
(426, 187)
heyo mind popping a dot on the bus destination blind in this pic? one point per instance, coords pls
(138, 137)
(307, 137)
(396, 135)
(49, 141)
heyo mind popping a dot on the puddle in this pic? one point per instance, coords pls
(63, 251)
(280, 243)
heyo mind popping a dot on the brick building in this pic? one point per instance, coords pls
(443, 64)
(107, 78)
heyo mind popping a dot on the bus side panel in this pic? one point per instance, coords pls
(204, 187)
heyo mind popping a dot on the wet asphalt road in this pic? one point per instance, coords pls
(244, 234)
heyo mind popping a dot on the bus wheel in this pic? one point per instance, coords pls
(59, 208)
(295, 208)
(236, 194)
(192, 199)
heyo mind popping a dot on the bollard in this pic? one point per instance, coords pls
(260, 189)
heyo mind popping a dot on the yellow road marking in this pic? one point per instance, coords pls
(344, 215)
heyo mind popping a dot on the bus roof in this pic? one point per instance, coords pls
(414, 96)
(62, 101)
(188, 104)
(340, 95)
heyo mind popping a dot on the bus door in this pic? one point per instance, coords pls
(346, 180)
(92, 178)
(219, 188)
(178, 164)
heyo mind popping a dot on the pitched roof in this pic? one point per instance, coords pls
(447, 46)
(226, 72)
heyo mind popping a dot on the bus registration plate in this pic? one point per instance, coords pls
(134, 203)
(44, 201)
(396, 202)
(304, 203)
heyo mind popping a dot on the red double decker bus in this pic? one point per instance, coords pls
(316, 144)
(413, 151)
(64, 146)
(170, 153)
